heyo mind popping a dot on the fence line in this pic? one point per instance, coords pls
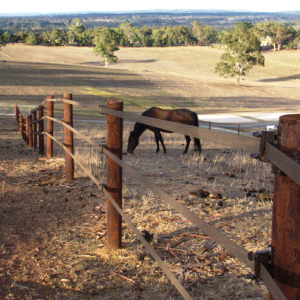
(216, 235)
(243, 143)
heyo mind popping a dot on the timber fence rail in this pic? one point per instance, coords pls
(264, 148)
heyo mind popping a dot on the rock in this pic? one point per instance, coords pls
(200, 193)
(188, 201)
(220, 203)
(216, 195)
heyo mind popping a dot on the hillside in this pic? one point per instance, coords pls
(144, 77)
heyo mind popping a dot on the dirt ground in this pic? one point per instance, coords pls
(53, 232)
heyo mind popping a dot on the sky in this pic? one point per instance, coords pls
(61, 6)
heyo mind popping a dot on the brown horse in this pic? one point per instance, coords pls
(183, 116)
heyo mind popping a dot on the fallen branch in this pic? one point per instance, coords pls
(195, 265)
(182, 240)
(123, 277)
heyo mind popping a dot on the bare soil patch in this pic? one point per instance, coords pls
(53, 232)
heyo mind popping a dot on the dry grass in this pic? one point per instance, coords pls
(56, 243)
(144, 77)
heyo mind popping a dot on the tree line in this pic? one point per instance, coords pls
(270, 32)
(125, 35)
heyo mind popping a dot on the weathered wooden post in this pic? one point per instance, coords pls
(41, 129)
(286, 215)
(16, 112)
(26, 130)
(23, 128)
(114, 175)
(34, 128)
(68, 119)
(21, 124)
(50, 113)
(30, 136)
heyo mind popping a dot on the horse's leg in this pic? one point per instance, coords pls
(197, 145)
(162, 142)
(156, 134)
(188, 140)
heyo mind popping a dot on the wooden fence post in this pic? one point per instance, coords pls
(68, 119)
(41, 129)
(50, 113)
(21, 124)
(16, 112)
(114, 175)
(30, 136)
(34, 128)
(286, 215)
(23, 128)
(26, 130)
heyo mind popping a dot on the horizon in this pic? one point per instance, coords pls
(32, 14)
(34, 7)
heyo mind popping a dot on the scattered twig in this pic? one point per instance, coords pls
(174, 249)
(196, 265)
(86, 255)
(198, 235)
(174, 254)
(123, 277)
(182, 240)
(194, 282)
(68, 187)
(19, 286)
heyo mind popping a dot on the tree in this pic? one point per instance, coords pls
(77, 26)
(7, 37)
(204, 34)
(129, 34)
(279, 34)
(57, 37)
(106, 42)
(159, 37)
(31, 39)
(296, 43)
(145, 36)
(2, 41)
(243, 52)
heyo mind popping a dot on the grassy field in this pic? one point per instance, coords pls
(53, 231)
(145, 77)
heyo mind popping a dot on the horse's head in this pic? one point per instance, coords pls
(133, 142)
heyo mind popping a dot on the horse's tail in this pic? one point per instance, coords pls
(197, 143)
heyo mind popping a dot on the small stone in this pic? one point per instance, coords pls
(220, 203)
(216, 195)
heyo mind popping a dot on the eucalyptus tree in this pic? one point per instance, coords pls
(278, 34)
(204, 34)
(242, 52)
(106, 41)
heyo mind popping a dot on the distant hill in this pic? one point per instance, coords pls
(218, 19)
